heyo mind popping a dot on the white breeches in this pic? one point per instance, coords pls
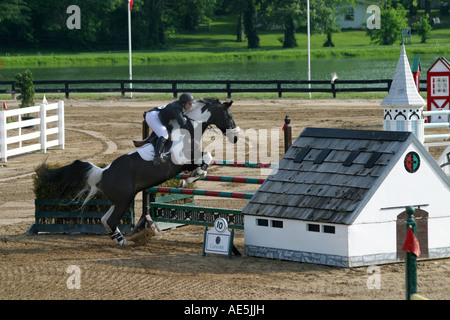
(155, 124)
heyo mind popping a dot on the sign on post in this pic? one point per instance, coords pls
(219, 240)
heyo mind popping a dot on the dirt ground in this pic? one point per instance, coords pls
(171, 265)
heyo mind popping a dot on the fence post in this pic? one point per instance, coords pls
(175, 89)
(333, 89)
(411, 259)
(61, 125)
(66, 89)
(43, 128)
(287, 133)
(229, 89)
(13, 91)
(3, 131)
(145, 195)
(389, 82)
(122, 89)
(280, 92)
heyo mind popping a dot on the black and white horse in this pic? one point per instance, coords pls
(130, 173)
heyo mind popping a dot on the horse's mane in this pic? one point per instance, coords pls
(199, 107)
(200, 103)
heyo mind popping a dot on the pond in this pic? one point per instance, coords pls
(347, 69)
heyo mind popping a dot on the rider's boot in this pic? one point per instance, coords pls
(158, 149)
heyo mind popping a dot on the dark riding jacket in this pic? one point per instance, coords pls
(172, 111)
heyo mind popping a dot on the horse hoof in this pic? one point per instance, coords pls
(117, 238)
(182, 184)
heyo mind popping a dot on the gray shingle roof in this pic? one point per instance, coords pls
(326, 174)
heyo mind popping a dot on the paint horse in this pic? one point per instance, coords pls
(130, 173)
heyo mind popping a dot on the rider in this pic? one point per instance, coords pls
(159, 117)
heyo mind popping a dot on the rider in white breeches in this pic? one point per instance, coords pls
(158, 119)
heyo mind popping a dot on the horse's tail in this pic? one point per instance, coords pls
(70, 178)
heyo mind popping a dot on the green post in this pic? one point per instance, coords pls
(411, 259)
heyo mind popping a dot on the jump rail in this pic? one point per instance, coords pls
(197, 192)
(437, 125)
(226, 179)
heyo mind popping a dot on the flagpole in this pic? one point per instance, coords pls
(129, 47)
(309, 47)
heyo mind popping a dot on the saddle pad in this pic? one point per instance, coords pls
(147, 152)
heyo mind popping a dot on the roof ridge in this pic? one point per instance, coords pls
(355, 134)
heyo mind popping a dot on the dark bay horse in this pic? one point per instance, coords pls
(129, 174)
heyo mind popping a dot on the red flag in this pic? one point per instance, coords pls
(4, 106)
(411, 243)
(131, 4)
(284, 126)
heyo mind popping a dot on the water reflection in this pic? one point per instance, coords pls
(347, 69)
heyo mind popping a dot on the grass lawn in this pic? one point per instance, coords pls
(219, 44)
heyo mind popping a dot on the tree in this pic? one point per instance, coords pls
(249, 24)
(291, 14)
(15, 21)
(287, 13)
(186, 15)
(423, 28)
(24, 81)
(147, 17)
(393, 20)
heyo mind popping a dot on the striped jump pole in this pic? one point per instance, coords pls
(211, 193)
(246, 164)
(225, 179)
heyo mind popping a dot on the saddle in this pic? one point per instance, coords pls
(150, 139)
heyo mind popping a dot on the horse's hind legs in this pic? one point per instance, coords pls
(117, 237)
(111, 224)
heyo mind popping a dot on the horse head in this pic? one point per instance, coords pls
(214, 112)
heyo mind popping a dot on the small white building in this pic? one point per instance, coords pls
(353, 15)
(339, 197)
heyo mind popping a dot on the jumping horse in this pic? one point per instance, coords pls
(129, 174)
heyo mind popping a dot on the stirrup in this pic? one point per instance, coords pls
(159, 159)
(117, 237)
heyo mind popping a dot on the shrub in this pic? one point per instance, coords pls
(423, 28)
(392, 22)
(24, 81)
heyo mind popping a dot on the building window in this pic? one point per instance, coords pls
(439, 86)
(277, 224)
(313, 227)
(350, 14)
(262, 222)
(329, 229)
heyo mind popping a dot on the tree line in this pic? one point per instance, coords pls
(104, 24)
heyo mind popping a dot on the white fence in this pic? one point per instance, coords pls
(18, 134)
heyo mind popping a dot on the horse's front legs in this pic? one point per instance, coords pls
(199, 172)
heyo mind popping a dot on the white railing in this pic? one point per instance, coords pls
(18, 131)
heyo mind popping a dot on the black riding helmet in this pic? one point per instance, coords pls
(186, 98)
